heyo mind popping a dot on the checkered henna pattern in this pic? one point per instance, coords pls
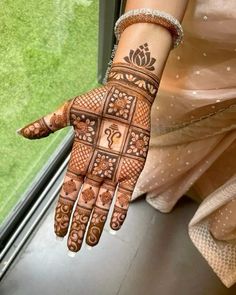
(111, 139)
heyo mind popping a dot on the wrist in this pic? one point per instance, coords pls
(136, 79)
(158, 38)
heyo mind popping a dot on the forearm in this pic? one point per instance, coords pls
(158, 38)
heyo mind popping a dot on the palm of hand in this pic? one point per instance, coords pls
(112, 131)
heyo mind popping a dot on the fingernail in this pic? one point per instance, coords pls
(112, 232)
(70, 253)
(59, 238)
(18, 131)
(89, 247)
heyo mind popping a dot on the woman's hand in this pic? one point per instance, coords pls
(112, 131)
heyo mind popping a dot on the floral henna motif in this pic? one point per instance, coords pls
(48, 124)
(104, 165)
(141, 57)
(112, 133)
(118, 217)
(120, 104)
(35, 130)
(105, 197)
(60, 118)
(123, 199)
(85, 127)
(138, 144)
(88, 195)
(96, 226)
(69, 187)
(62, 216)
(57, 121)
(144, 82)
(78, 228)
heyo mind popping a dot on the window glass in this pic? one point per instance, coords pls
(48, 53)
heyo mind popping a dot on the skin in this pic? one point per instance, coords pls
(112, 131)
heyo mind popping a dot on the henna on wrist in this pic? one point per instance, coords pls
(135, 74)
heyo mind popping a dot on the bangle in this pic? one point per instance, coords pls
(147, 15)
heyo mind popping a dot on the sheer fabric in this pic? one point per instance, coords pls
(193, 144)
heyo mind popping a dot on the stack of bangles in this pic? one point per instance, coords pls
(146, 15)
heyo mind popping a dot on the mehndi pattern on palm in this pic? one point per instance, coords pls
(112, 132)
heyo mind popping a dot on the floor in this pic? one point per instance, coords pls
(152, 254)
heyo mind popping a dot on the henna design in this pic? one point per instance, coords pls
(105, 197)
(58, 119)
(109, 123)
(91, 101)
(135, 78)
(62, 216)
(142, 114)
(123, 200)
(118, 217)
(69, 186)
(68, 195)
(130, 171)
(35, 130)
(88, 194)
(112, 136)
(141, 57)
(78, 228)
(112, 132)
(96, 226)
(138, 143)
(80, 157)
(120, 104)
(85, 127)
(104, 165)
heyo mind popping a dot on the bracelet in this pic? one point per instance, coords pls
(147, 15)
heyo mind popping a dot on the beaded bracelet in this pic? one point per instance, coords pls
(146, 15)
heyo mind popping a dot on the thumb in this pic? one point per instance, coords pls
(47, 124)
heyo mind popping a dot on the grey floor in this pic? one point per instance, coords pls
(151, 254)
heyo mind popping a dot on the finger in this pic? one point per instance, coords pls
(48, 124)
(68, 194)
(87, 199)
(77, 168)
(100, 213)
(129, 171)
(121, 206)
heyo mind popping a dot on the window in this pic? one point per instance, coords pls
(48, 54)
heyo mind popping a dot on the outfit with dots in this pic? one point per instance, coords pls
(193, 143)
